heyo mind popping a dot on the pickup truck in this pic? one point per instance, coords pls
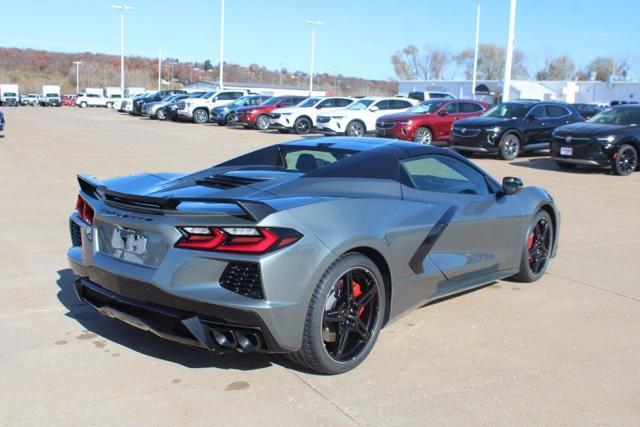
(198, 110)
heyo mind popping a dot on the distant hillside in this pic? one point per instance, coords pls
(32, 68)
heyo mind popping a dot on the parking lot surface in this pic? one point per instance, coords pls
(561, 351)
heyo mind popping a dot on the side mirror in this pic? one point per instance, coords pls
(443, 113)
(511, 185)
(374, 109)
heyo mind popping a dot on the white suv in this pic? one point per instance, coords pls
(198, 110)
(302, 117)
(360, 117)
(84, 100)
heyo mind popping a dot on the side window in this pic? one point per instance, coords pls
(385, 104)
(236, 95)
(470, 107)
(342, 102)
(451, 108)
(557, 111)
(539, 112)
(224, 96)
(443, 174)
(399, 104)
(327, 103)
(287, 102)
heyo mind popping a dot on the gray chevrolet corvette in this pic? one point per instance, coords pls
(306, 248)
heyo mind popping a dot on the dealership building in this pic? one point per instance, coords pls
(588, 92)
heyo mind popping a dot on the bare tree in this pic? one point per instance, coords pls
(603, 67)
(558, 68)
(491, 60)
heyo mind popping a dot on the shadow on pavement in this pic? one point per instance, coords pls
(149, 344)
(545, 163)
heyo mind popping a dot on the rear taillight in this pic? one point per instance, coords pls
(251, 240)
(84, 211)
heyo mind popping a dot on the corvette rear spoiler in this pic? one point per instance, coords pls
(254, 210)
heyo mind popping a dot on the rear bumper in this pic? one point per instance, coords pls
(213, 327)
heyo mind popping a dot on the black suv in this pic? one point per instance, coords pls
(511, 128)
(610, 139)
(136, 110)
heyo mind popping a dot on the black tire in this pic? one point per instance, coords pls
(201, 116)
(423, 135)
(355, 128)
(530, 270)
(262, 122)
(83, 104)
(321, 347)
(160, 114)
(626, 161)
(509, 147)
(565, 165)
(229, 120)
(302, 125)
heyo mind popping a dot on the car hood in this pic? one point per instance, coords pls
(484, 121)
(588, 129)
(403, 116)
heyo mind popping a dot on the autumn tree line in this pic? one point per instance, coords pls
(33, 68)
(411, 63)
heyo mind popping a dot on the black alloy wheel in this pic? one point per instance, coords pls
(302, 126)
(539, 245)
(350, 314)
(626, 160)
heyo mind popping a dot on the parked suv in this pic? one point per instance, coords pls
(428, 121)
(360, 117)
(610, 139)
(225, 114)
(136, 108)
(424, 96)
(302, 118)
(198, 110)
(84, 100)
(511, 128)
(150, 109)
(30, 99)
(170, 109)
(258, 117)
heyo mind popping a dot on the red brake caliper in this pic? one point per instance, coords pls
(356, 292)
(530, 243)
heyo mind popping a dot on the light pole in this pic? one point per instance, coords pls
(172, 64)
(475, 54)
(159, 67)
(77, 76)
(511, 41)
(122, 8)
(314, 25)
(221, 83)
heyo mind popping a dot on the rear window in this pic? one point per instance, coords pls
(305, 160)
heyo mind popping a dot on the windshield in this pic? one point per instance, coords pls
(273, 101)
(508, 110)
(427, 107)
(52, 95)
(208, 95)
(9, 94)
(618, 116)
(240, 101)
(308, 103)
(360, 105)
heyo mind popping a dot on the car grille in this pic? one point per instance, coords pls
(275, 115)
(76, 235)
(385, 125)
(466, 132)
(324, 119)
(243, 278)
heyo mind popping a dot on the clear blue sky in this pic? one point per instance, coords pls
(357, 39)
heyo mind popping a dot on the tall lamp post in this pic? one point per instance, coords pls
(77, 75)
(511, 41)
(172, 64)
(221, 82)
(314, 25)
(475, 54)
(122, 8)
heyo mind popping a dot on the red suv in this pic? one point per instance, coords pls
(428, 121)
(257, 117)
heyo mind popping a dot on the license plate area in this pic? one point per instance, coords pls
(139, 247)
(566, 151)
